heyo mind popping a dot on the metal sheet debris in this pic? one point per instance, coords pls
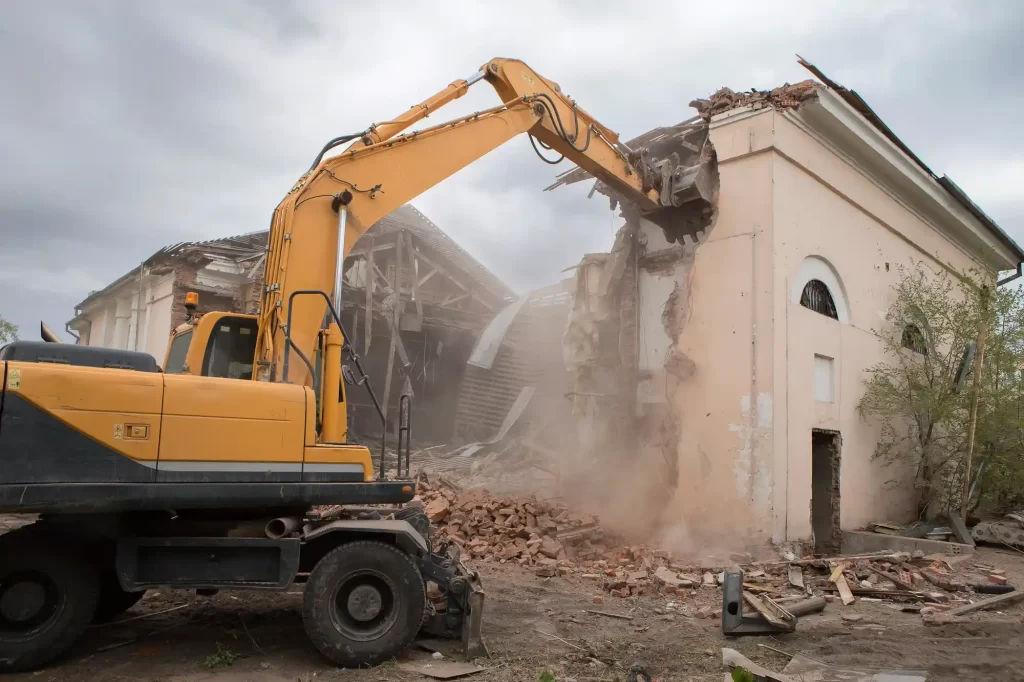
(803, 669)
(441, 670)
(487, 346)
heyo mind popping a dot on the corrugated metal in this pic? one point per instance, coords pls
(530, 355)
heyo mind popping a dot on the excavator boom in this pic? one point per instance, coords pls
(330, 207)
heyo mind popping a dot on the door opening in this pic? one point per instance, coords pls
(825, 459)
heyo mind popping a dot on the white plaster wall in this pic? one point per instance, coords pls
(823, 207)
(725, 410)
(158, 318)
(98, 327)
(122, 323)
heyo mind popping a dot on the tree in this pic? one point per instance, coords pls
(921, 394)
(8, 332)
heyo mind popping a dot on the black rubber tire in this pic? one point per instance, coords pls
(320, 612)
(75, 591)
(113, 600)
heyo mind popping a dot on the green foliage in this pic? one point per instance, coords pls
(8, 332)
(223, 658)
(922, 411)
(741, 674)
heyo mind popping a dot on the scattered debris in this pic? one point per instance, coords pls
(839, 579)
(796, 576)
(1001, 600)
(440, 669)
(609, 615)
(1007, 532)
(783, 97)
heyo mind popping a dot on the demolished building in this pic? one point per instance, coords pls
(445, 299)
(717, 368)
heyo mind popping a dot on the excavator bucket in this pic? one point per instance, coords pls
(459, 610)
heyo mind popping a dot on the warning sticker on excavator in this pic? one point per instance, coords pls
(14, 380)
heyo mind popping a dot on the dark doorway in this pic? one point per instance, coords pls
(825, 458)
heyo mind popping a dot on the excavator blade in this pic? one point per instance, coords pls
(473, 645)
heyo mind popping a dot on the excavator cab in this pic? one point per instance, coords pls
(215, 344)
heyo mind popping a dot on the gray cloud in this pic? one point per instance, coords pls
(126, 126)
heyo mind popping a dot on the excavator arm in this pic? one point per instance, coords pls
(330, 207)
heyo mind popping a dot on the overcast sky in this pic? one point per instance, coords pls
(126, 126)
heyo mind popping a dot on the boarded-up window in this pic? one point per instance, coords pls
(818, 298)
(824, 379)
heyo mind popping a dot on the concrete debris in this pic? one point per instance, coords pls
(783, 97)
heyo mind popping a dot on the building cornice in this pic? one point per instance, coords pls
(829, 117)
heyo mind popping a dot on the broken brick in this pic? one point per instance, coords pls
(438, 510)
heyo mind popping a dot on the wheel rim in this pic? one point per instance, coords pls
(29, 600)
(365, 605)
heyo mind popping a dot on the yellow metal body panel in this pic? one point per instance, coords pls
(117, 408)
(310, 416)
(208, 419)
(340, 454)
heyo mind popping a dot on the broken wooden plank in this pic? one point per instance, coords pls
(1001, 600)
(907, 586)
(766, 613)
(396, 309)
(823, 561)
(454, 298)
(414, 263)
(796, 576)
(839, 579)
(891, 578)
(609, 615)
(426, 278)
(844, 591)
(760, 589)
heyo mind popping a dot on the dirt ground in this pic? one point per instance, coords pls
(258, 636)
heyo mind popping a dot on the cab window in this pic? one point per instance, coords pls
(231, 350)
(179, 350)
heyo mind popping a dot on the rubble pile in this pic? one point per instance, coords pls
(783, 97)
(553, 540)
(544, 535)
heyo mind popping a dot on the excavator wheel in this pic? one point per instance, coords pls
(48, 595)
(364, 603)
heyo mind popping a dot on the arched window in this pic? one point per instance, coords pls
(818, 298)
(913, 339)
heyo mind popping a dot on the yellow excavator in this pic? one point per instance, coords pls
(207, 474)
